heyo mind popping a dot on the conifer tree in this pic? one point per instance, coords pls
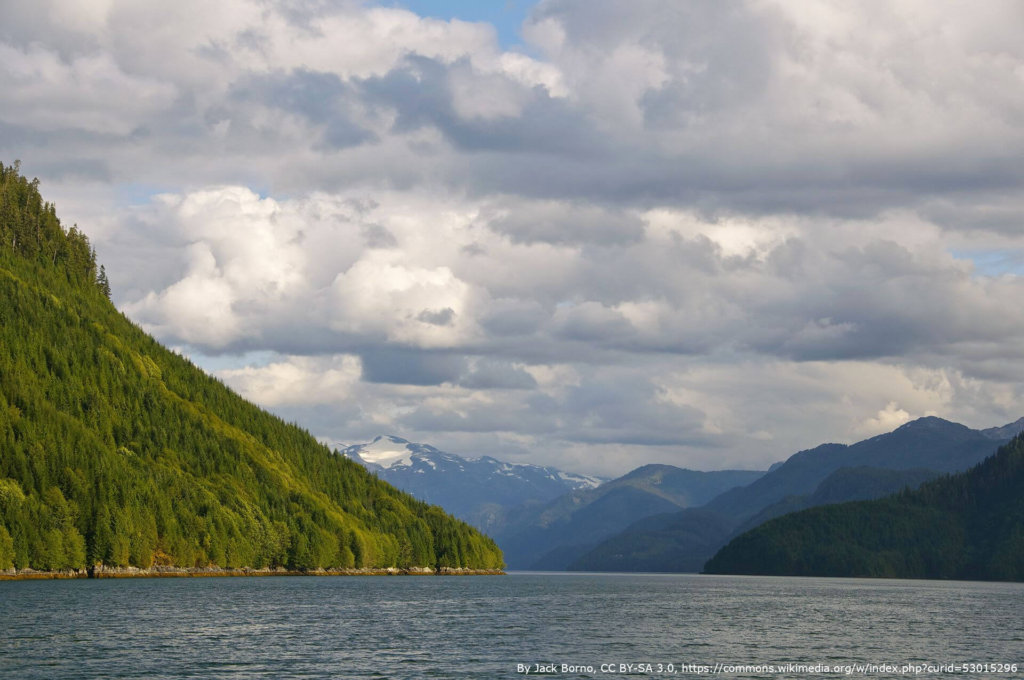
(103, 282)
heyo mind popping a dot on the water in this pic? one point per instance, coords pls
(485, 627)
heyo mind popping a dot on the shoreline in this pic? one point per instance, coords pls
(100, 572)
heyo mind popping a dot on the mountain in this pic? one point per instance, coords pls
(843, 485)
(926, 443)
(682, 541)
(541, 517)
(477, 490)
(551, 536)
(964, 526)
(116, 452)
(1006, 431)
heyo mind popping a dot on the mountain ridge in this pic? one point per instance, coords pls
(932, 444)
(553, 535)
(478, 490)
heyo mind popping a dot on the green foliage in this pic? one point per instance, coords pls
(116, 451)
(6, 549)
(963, 526)
(102, 282)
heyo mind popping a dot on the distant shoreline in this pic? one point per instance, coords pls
(100, 571)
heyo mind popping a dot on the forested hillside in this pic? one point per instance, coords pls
(116, 451)
(964, 526)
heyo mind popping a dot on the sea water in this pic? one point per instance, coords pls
(520, 625)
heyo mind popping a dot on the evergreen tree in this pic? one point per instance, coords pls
(103, 283)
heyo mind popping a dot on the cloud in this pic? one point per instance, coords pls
(60, 94)
(700, 233)
(321, 99)
(492, 374)
(561, 223)
(410, 367)
(887, 420)
(297, 380)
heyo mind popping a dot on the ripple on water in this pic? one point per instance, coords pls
(481, 627)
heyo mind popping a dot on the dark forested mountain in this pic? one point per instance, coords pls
(551, 536)
(478, 490)
(115, 451)
(964, 526)
(685, 540)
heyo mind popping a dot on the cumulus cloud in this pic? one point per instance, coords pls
(298, 380)
(699, 233)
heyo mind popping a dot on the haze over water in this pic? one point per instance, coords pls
(486, 627)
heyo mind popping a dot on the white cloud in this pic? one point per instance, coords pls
(406, 305)
(887, 419)
(54, 94)
(197, 309)
(297, 380)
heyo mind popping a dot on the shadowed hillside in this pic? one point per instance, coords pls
(964, 526)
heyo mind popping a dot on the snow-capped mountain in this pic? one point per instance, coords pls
(477, 490)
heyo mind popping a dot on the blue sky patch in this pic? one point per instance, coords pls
(506, 16)
(993, 262)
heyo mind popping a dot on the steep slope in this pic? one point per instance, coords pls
(964, 526)
(926, 444)
(843, 485)
(553, 535)
(115, 451)
(477, 490)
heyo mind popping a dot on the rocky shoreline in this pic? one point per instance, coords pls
(101, 571)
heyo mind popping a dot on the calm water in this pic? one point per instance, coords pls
(483, 627)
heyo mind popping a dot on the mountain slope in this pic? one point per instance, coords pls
(554, 535)
(926, 444)
(477, 490)
(844, 485)
(964, 526)
(115, 451)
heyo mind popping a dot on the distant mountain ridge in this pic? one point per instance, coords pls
(685, 540)
(553, 535)
(477, 490)
(541, 517)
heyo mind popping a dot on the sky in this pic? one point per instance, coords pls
(582, 233)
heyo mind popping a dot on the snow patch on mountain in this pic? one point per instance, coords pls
(384, 451)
